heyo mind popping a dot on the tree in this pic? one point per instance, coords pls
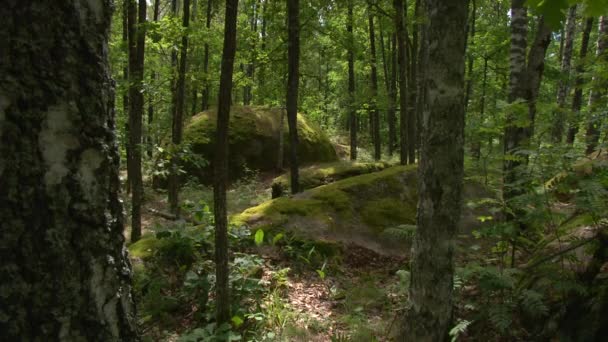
(440, 173)
(220, 169)
(178, 116)
(65, 272)
(205, 95)
(592, 134)
(137, 40)
(524, 84)
(351, 83)
(154, 77)
(402, 57)
(564, 83)
(293, 59)
(373, 111)
(577, 98)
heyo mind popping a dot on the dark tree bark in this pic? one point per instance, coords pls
(592, 135)
(220, 167)
(137, 39)
(250, 69)
(577, 98)
(206, 85)
(403, 100)
(373, 112)
(534, 73)
(293, 58)
(389, 81)
(563, 88)
(440, 173)
(412, 112)
(65, 271)
(476, 145)
(411, 118)
(524, 84)
(177, 124)
(125, 74)
(150, 135)
(351, 83)
(471, 60)
(392, 79)
(262, 73)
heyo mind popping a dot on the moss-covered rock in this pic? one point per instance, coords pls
(359, 210)
(253, 140)
(320, 174)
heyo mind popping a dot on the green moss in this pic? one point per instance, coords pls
(277, 211)
(145, 247)
(324, 173)
(388, 212)
(253, 140)
(336, 198)
(365, 204)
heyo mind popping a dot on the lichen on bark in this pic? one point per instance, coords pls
(66, 275)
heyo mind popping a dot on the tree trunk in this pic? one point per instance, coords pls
(401, 56)
(293, 58)
(534, 72)
(441, 169)
(65, 271)
(351, 83)
(250, 69)
(412, 113)
(125, 74)
(137, 39)
(592, 135)
(419, 94)
(262, 73)
(392, 97)
(563, 88)
(374, 115)
(524, 86)
(471, 59)
(514, 135)
(178, 116)
(476, 146)
(577, 98)
(206, 84)
(411, 118)
(150, 135)
(388, 80)
(220, 177)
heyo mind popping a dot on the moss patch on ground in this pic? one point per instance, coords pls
(145, 247)
(320, 174)
(253, 141)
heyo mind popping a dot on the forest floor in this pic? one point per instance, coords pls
(310, 294)
(289, 289)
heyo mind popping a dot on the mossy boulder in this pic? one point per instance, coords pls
(253, 141)
(325, 173)
(369, 210)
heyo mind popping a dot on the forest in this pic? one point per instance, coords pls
(320, 170)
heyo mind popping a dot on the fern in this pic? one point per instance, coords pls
(532, 303)
(500, 316)
(459, 329)
(401, 233)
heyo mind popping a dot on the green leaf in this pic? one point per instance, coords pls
(276, 238)
(259, 237)
(237, 321)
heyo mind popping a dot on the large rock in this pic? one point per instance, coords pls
(325, 173)
(254, 141)
(375, 210)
